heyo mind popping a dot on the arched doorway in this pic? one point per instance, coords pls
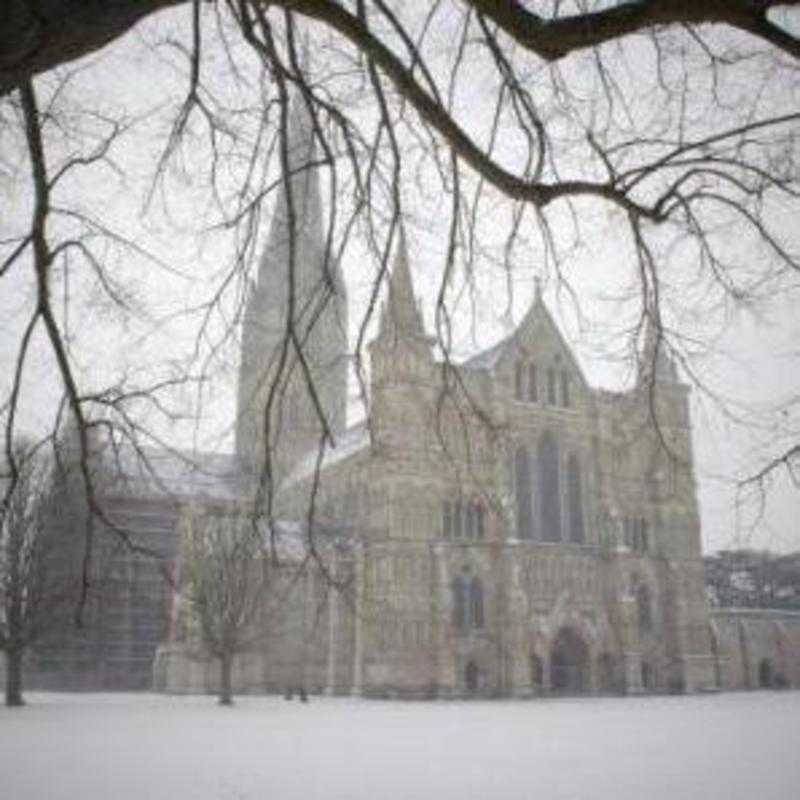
(569, 663)
(744, 653)
(607, 674)
(537, 673)
(765, 674)
(472, 677)
(712, 635)
(780, 670)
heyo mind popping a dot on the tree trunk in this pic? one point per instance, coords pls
(225, 694)
(14, 677)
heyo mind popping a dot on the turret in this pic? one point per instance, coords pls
(663, 395)
(667, 464)
(402, 361)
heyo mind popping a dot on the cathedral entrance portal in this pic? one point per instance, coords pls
(472, 677)
(765, 675)
(569, 663)
(607, 681)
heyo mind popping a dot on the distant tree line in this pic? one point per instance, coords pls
(753, 579)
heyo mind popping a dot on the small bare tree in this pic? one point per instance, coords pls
(226, 572)
(30, 584)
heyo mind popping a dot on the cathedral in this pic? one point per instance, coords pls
(493, 527)
(496, 527)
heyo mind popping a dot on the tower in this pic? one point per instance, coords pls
(294, 331)
(402, 362)
(672, 507)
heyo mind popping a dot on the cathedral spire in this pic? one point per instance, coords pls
(298, 205)
(401, 317)
(297, 277)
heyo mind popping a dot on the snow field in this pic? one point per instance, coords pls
(149, 747)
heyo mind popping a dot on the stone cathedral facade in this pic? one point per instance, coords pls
(495, 527)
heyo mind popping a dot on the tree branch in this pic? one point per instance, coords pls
(36, 37)
(553, 39)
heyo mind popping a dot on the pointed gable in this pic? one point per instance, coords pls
(539, 335)
(536, 359)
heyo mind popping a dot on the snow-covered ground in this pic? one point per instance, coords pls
(148, 747)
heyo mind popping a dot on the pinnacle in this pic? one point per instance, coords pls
(401, 314)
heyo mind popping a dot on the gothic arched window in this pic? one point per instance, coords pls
(551, 386)
(447, 519)
(476, 603)
(461, 607)
(628, 533)
(519, 381)
(644, 610)
(522, 481)
(575, 500)
(549, 489)
(474, 524)
(480, 520)
(533, 384)
(458, 519)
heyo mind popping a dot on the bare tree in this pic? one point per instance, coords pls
(32, 583)
(225, 580)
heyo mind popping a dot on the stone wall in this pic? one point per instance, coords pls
(756, 648)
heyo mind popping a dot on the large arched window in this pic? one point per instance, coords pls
(476, 603)
(551, 386)
(475, 520)
(575, 500)
(644, 609)
(533, 384)
(549, 489)
(460, 603)
(522, 480)
(519, 381)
